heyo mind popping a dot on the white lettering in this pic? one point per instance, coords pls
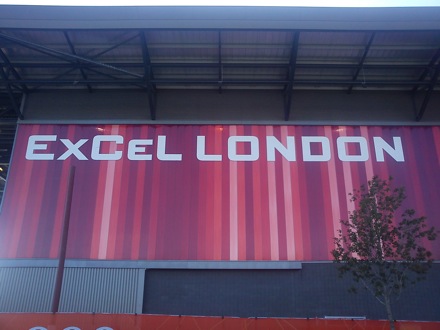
(307, 150)
(201, 151)
(343, 150)
(240, 148)
(161, 153)
(287, 152)
(380, 146)
(232, 148)
(33, 145)
(136, 151)
(73, 149)
(96, 147)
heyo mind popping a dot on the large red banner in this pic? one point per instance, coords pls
(205, 192)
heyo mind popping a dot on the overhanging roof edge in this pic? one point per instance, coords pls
(194, 17)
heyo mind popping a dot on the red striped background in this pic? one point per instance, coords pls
(194, 210)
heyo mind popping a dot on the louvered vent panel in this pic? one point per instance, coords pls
(26, 289)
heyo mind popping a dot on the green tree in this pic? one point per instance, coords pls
(383, 254)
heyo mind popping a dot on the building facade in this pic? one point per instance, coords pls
(205, 155)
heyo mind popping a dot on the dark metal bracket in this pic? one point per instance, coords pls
(288, 90)
(11, 95)
(361, 62)
(425, 102)
(220, 64)
(148, 76)
(72, 49)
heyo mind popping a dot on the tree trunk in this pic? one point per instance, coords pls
(389, 312)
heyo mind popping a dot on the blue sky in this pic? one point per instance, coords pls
(291, 3)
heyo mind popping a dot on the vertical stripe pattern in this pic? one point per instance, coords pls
(175, 206)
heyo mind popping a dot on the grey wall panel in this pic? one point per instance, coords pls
(313, 291)
(100, 290)
(210, 105)
(153, 264)
(81, 105)
(232, 106)
(26, 289)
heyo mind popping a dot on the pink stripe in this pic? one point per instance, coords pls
(12, 194)
(306, 238)
(296, 201)
(59, 199)
(33, 210)
(233, 207)
(226, 236)
(348, 183)
(155, 188)
(414, 186)
(119, 199)
(190, 194)
(138, 209)
(257, 193)
(19, 218)
(333, 182)
(369, 163)
(381, 168)
(203, 219)
(218, 132)
(107, 203)
(273, 216)
(436, 133)
(97, 223)
(288, 205)
(241, 191)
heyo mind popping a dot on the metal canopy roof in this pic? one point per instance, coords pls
(213, 48)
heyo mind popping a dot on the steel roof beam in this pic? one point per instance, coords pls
(220, 64)
(11, 68)
(428, 68)
(4, 112)
(72, 49)
(38, 48)
(126, 82)
(434, 81)
(75, 66)
(84, 65)
(119, 44)
(288, 90)
(62, 55)
(11, 94)
(361, 62)
(148, 76)
(115, 79)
